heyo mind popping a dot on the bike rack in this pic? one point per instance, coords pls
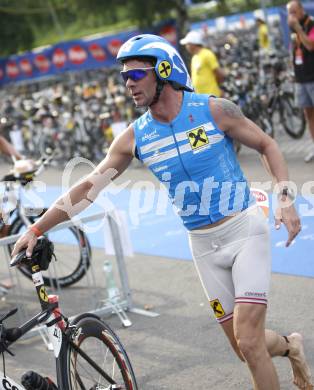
(119, 305)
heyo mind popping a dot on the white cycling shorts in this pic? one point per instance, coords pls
(233, 261)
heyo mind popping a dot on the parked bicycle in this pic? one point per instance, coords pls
(88, 353)
(280, 100)
(72, 265)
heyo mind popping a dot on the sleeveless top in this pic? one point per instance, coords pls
(196, 162)
(304, 71)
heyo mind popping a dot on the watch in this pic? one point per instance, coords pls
(288, 192)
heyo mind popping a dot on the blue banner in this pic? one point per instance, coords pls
(81, 54)
(76, 55)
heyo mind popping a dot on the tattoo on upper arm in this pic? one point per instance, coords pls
(230, 109)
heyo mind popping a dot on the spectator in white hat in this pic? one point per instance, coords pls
(205, 70)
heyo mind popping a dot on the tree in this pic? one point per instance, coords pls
(15, 31)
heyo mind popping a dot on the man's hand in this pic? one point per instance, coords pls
(287, 214)
(293, 23)
(27, 240)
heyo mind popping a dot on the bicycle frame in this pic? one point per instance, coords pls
(45, 316)
(23, 212)
(57, 327)
(18, 214)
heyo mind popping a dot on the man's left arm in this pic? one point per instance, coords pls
(232, 121)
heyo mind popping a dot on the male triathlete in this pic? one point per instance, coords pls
(185, 139)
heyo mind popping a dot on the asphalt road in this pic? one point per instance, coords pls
(182, 348)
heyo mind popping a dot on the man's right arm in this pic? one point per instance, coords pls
(82, 194)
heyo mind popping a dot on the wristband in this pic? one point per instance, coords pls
(35, 230)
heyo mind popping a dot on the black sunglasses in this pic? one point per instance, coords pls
(135, 74)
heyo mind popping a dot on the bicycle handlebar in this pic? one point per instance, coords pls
(42, 254)
(28, 176)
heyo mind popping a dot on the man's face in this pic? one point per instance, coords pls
(295, 10)
(144, 89)
(191, 48)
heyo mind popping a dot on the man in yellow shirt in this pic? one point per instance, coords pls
(262, 33)
(205, 70)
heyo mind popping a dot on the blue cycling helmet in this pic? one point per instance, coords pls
(169, 64)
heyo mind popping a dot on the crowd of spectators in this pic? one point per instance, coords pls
(86, 106)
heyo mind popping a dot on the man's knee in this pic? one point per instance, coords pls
(249, 332)
(251, 348)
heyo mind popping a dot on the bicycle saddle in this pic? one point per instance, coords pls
(42, 254)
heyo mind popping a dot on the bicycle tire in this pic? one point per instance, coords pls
(96, 339)
(292, 117)
(266, 124)
(72, 265)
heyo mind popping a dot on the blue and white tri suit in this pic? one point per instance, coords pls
(197, 163)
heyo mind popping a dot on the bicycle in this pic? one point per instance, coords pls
(280, 99)
(268, 100)
(79, 366)
(73, 266)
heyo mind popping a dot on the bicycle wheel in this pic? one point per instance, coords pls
(107, 365)
(292, 117)
(72, 250)
(265, 123)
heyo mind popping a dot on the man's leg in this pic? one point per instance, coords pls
(276, 345)
(249, 332)
(309, 115)
(292, 347)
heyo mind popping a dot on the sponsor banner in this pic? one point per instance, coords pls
(82, 54)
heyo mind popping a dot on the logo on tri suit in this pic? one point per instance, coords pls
(197, 138)
(150, 136)
(216, 306)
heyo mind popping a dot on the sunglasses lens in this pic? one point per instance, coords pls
(133, 74)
